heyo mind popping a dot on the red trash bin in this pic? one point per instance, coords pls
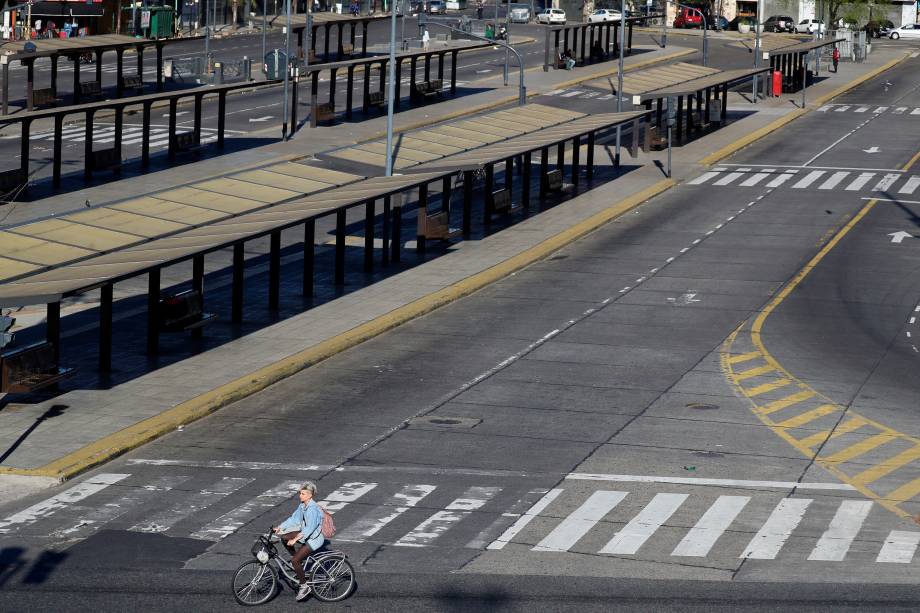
(777, 83)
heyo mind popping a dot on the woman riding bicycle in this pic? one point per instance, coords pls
(304, 526)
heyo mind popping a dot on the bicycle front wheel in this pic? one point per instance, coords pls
(254, 583)
(332, 579)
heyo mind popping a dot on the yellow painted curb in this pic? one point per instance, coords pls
(120, 442)
(724, 152)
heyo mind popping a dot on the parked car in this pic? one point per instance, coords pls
(779, 23)
(908, 30)
(878, 29)
(718, 23)
(437, 7)
(738, 21)
(604, 15)
(810, 26)
(520, 13)
(551, 17)
(687, 18)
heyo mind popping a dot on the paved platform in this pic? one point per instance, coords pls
(95, 424)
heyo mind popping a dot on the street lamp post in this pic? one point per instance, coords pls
(391, 89)
(621, 31)
(705, 28)
(287, 72)
(756, 52)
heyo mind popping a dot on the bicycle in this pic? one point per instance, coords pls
(330, 575)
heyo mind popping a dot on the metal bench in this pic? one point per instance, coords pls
(554, 180)
(185, 143)
(44, 97)
(90, 89)
(183, 312)
(30, 368)
(376, 99)
(347, 50)
(436, 227)
(12, 179)
(106, 159)
(501, 201)
(426, 89)
(134, 82)
(324, 112)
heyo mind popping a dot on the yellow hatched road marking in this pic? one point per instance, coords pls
(788, 401)
(888, 466)
(905, 492)
(754, 372)
(766, 387)
(854, 423)
(808, 416)
(858, 449)
(744, 357)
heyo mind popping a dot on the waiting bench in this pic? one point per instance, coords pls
(30, 368)
(427, 89)
(324, 112)
(12, 179)
(134, 82)
(106, 159)
(376, 99)
(185, 142)
(183, 312)
(501, 201)
(90, 90)
(436, 226)
(554, 180)
(44, 97)
(347, 50)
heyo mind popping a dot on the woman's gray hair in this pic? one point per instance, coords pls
(309, 486)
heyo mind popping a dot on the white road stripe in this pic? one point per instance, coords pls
(525, 519)
(810, 178)
(95, 518)
(66, 498)
(554, 92)
(783, 485)
(757, 178)
(728, 178)
(841, 108)
(773, 534)
(716, 520)
(641, 527)
(825, 108)
(860, 181)
(346, 494)
(835, 542)
(573, 93)
(915, 112)
(373, 522)
(234, 465)
(488, 535)
(899, 110)
(833, 180)
(590, 94)
(582, 519)
(703, 178)
(166, 519)
(780, 180)
(899, 547)
(861, 109)
(886, 182)
(422, 535)
(910, 185)
(230, 522)
(880, 109)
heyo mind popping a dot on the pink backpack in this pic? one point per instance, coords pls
(328, 526)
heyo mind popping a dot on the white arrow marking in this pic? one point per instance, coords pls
(687, 298)
(897, 237)
(266, 118)
(872, 150)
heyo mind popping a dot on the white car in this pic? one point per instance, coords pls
(809, 26)
(551, 16)
(908, 30)
(604, 15)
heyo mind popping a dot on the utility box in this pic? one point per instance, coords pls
(274, 64)
(162, 22)
(777, 83)
(715, 111)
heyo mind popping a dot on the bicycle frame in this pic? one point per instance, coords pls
(286, 569)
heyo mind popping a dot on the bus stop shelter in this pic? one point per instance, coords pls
(326, 21)
(581, 38)
(72, 49)
(789, 56)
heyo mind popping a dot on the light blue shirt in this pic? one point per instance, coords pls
(308, 519)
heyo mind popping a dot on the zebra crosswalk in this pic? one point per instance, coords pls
(584, 94)
(827, 179)
(581, 515)
(131, 134)
(870, 109)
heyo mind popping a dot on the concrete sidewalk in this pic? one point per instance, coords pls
(99, 424)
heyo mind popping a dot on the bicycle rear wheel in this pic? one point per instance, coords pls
(254, 583)
(333, 579)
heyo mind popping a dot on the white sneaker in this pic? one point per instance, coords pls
(302, 593)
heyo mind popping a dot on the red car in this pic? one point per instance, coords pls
(687, 18)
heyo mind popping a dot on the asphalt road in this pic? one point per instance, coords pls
(646, 420)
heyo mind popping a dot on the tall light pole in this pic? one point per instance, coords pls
(621, 34)
(391, 89)
(287, 72)
(756, 52)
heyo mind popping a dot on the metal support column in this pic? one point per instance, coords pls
(467, 202)
(274, 271)
(309, 256)
(58, 146)
(348, 93)
(53, 329)
(105, 327)
(385, 233)
(173, 102)
(340, 247)
(76, 79)
(576, 154)
(222, 116)
(159, 68)
(236, 299)
(369, 214)
(589, 164)
(544, 168)
(88, 146)
(30, 82)
(489, 206)
(119, 72)
(198, 286)
(153, 311)
(145, 136)
(453, 72)
(422, 214)
(525, 183)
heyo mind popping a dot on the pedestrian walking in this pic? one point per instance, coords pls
(479, 8)
(426, 40)
(836, 57)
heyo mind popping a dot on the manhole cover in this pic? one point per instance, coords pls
(445, 421)
(699, 406)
